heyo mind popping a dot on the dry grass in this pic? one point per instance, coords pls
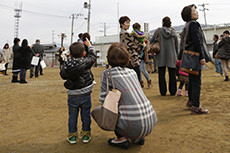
(34, 118)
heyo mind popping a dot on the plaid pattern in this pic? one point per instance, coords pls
(137, 117)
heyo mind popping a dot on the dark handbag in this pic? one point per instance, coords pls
(190, 59)
(155, 46)
(106, 115)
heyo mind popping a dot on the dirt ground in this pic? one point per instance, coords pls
(33, 118)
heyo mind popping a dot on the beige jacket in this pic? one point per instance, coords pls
(131, 43)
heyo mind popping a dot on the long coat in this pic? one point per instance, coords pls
(25, 57)
(16, 57)
(6, 55)
(168, 47)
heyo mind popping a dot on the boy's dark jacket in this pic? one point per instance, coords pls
(77, 71)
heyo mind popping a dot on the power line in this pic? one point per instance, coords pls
(36, 13)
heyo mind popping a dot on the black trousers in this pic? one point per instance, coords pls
(162, 81)
(194, 87)
(5, 71)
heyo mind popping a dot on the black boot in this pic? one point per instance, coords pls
(15, 79)
(226, 78)
(23, 81)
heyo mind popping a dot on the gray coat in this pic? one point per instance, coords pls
(136, 114)
(38, 49)
(168, 47)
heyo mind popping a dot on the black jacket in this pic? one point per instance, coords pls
(224, 48)
(195, 41)
(25, 57)
(16, 56)
(77, 71)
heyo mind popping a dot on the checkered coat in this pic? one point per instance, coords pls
(136, 114)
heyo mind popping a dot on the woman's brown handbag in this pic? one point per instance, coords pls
(155, 46)
(190, 62)
(106, 115)
(216, 55)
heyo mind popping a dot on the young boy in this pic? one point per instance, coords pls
(76, 71)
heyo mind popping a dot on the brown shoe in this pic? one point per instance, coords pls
(189, 104)
(142, 84)
(149, 84)
(199, 110)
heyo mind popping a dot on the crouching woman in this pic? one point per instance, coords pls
(137, 117)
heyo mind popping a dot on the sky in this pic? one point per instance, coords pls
(44, 18)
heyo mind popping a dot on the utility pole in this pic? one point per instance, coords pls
(146, 28)
(204, 9)
(63, 36)
(52, 36)
(118, 25)
(88, 6)
(18, 10)
(73, 16)
(104, 29)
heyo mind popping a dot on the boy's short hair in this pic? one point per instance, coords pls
(77, 49)
(216, 36)
(136, 26)
(226, 32)
(37, 41)
(123, 19)
(118, 55)
(80, 35)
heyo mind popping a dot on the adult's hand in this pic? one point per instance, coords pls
(202, 62)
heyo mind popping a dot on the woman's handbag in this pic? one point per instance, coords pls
(106, 115)
(155, 46)
(2, 66)
(190, 59)
(216, 55)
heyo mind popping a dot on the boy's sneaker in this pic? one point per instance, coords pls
(86, 136)
(72, 140)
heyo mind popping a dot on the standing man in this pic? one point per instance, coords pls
(218, 65)
(131, 44)
(38, 49)
(224, 53)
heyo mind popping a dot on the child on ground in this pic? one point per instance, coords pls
(183, 78)
(76, 71)
(143, 54)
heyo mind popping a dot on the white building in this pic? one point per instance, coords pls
(103, 43)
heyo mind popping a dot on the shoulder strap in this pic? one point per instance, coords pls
(186, 34)
(107, 81)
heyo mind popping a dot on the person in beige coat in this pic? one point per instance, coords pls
(6, 56)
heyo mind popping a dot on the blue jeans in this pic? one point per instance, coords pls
(143, 70)
(219, 67)
(75, 103)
